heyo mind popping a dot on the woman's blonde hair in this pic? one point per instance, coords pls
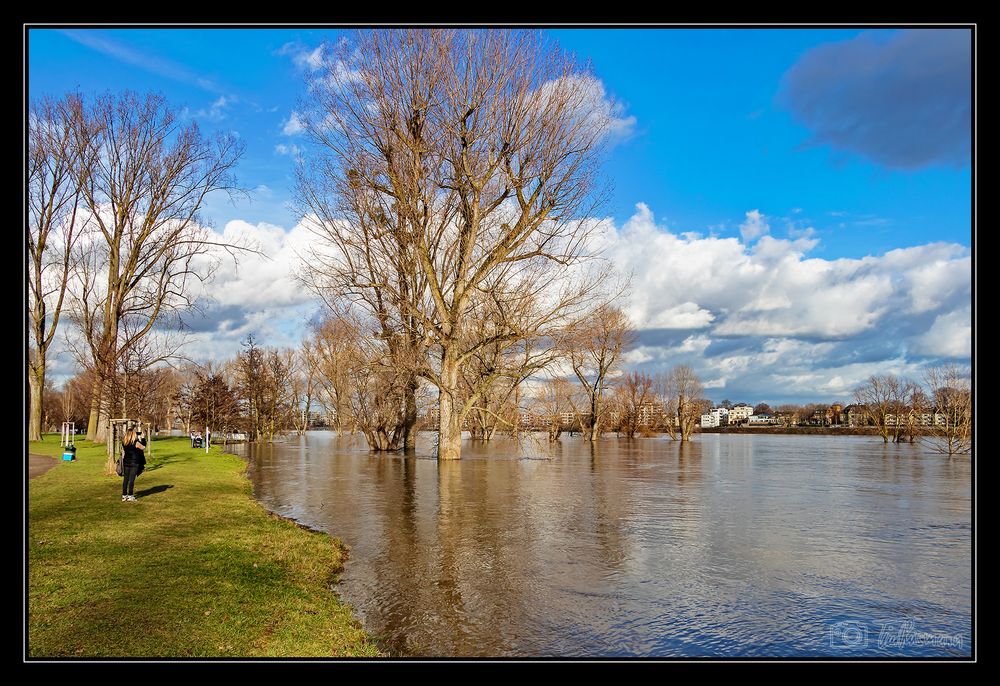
(129, 438)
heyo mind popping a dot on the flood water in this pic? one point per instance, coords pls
(731, 545)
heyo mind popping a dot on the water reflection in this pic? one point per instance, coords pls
(730, 545)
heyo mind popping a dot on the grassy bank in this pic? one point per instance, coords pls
(194, 568)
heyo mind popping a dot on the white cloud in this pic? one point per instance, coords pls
(293, 126)
(589, 95)
(303, 56)
(754, 226)
(684, 316)
(292, 150)
(215, 112)
(773, 288)
(259, 282)
(949, 336)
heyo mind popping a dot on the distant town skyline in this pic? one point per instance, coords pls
(793, 205)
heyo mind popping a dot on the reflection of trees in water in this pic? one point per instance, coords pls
(609, 510)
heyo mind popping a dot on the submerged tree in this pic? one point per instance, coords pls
(366, 380)
(950, 430)
(448, 164)
(552, 402)
(680, 392)
(594, 349)
(883, 399)
(636, 404)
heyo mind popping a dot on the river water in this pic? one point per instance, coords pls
(731, 545)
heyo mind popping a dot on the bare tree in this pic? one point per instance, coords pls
(147, 177)
(951, 426)
(265, 386)
(330, 353)
(214, 403)
(450, 164)
(665, 395)
(53, 190)
(551, 401)
(594, 349)
(680, 390)
(636, 404)
(366, 379)
(304, 387)
(883, 398)
(74, 399)
(182, 399)
(490, 380)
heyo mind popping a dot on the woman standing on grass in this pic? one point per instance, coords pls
(133, 461)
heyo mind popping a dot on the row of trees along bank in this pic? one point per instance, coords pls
(115, 237)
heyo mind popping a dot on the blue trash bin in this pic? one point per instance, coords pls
(69, 453)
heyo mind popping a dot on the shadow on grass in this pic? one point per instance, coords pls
(155, 462)
(155, 489)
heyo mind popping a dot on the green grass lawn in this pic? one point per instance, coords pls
(194, 568)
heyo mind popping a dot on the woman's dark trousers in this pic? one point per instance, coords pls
(129, 472)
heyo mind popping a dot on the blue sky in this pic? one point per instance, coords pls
(836, 159)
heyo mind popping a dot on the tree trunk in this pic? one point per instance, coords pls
(95, 403)
(450, 420)
(102, 425)
(410, 419)
(36, 381)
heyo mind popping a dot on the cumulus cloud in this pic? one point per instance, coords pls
(949, 336)
(769, 315)
(902, 100)
(261, 282)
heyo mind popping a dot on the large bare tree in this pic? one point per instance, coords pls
(448, 164)
(147, 177)
(54, 172)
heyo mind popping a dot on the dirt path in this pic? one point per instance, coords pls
(39, 464)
